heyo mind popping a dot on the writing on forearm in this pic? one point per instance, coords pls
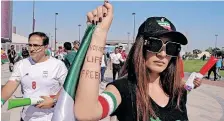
(90, 74)
(93, 59)
(96, 48)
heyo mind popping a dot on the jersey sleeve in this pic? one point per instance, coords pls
(16, 74)
(62, 73)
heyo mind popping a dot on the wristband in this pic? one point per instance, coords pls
(108, 102)
(2, 101)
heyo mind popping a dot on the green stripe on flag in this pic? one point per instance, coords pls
(72, 78)
(64, 109)
(113, 98)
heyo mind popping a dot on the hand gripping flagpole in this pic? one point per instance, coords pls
(189, 85)
(65, 105)
(20, 102)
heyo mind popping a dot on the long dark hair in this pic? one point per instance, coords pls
(135, 67)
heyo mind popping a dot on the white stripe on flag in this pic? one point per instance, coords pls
(110, 102)
(64, 108)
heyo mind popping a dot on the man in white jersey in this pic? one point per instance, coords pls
(39, 76)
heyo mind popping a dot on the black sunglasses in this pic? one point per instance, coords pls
(155, 45)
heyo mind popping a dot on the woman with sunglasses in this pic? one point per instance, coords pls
(150, 86)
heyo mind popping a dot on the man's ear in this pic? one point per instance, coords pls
(46, 49)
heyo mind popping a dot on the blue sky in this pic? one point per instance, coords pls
(199, 20)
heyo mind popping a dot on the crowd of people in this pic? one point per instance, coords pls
(115, 60)
(112, 60)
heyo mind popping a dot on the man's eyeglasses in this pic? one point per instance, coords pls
(155, 45)
(35, 46)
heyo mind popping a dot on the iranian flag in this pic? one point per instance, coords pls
(65, 105)
(164, 24)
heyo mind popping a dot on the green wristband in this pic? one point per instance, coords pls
(2, 101)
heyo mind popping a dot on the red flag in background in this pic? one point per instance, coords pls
(181, 68)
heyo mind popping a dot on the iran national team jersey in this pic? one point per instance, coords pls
(40, 79)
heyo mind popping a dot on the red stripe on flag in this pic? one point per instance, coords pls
(208, 65)
(105, 106)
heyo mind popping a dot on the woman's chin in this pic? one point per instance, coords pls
(157, 69)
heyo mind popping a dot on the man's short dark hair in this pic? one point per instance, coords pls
(68, 46)
(121, 46)
(76, 42)
(42, 35)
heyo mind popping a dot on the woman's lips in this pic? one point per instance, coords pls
(159, 62)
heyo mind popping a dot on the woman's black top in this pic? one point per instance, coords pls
(127, 110)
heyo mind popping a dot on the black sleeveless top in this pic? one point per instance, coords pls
(127, 110)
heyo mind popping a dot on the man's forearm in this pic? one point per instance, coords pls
(9, 88)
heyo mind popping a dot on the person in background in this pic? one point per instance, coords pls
(108, 58)
(60, 50)
(2, 51)
(212, 69)
(70, 56)
(218, 66)
(25, 52)
(222, 62)
(11, 54)
(108, 55)
(116, 60)
(60, 53)
(204, 57)
(103, 66)
(123, 54)
(76, 45)
(18, 57)
(4, 57)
